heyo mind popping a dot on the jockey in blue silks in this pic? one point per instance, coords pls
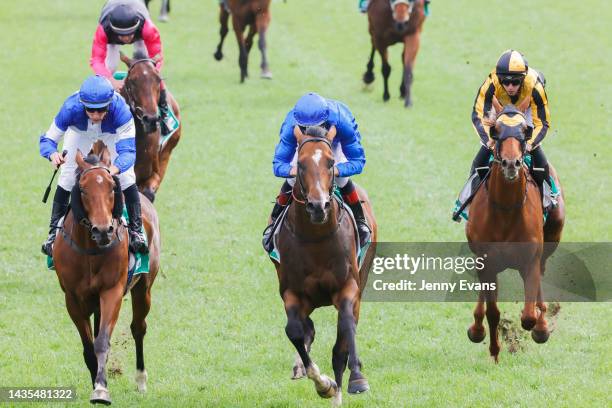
(314, 110)
(95, 112)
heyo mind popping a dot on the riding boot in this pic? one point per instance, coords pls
(266, 241)
(60, 206)
(362, 224)
(138, 241)
(163, 111)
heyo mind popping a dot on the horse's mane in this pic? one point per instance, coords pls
(316, 131)
(140, 55)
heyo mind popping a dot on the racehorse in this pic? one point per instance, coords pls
(318, 247)
(391, 22)
(256, 15)
(141, 92)
(164, 11)
(91, 261)
(506, 226)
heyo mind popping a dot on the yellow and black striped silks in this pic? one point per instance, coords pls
(532, 93)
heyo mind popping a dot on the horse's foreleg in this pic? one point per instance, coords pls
(493, 321)
(540, 332)
(411, 48)
(83, 325)
(243, 57)
(531, 282)
(368, 76)
(141, 304)
(476, 332)
(110, 303)
(223, 20)
(386, 71)
(325, 386)
(299, 371)
(262, 21)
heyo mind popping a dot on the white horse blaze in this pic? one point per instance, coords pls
(317, 156)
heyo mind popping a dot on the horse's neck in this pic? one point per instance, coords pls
(505, 193)
(301, 225)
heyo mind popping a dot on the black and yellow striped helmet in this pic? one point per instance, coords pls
(511, 63)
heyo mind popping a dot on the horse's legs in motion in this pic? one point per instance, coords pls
(531, 283)
(540, 332)
(299, 371)
(110, 303)
(411, 48)
(96, 316)
(368, 76)
(248, 42)
(244, 56)
(492, 313)
(476, 332)
(262, 20)
(345, 349)
(83, 325)
(223, 20)
(386, 71)
(325, 386)
(141, 304)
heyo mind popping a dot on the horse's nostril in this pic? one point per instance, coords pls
(310, 207)
(504, 163)
(95, 230)
(517, 164)
(110, 229)
(327, 205)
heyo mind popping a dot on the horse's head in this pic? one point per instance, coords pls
(401, 13)
(97, 198)
(315, 170)
(509, 134)
(142, 86)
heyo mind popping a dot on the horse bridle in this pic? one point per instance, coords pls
(298, 173)
(497, 159)
(149, 124)
(88, 225)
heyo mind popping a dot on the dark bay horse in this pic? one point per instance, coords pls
(256, 15)
(141, 91)
(317, 244)
(91, 261)
(506, 223)
(389, 26)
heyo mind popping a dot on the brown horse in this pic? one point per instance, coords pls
(141, 91)
(389, 26)
(91, 261)
(317, 244)
(256, 15)
(506, 227)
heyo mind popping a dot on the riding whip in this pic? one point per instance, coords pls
(48, 190)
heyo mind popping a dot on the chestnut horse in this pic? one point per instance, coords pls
(141, 92)
(317, 244)
(506, 223)
(91, 261)
(389, 26)
(256, 15)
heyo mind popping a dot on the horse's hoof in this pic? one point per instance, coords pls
(476, 336)
(407, 103)
(330, 391)
(358, 386)
(337, 400)
(368, 78)
(163, 18)
(386, 97)
(540, 336)
(100, 396)
(298, 372)
(218, 55)
(266, 74)
(528, 323)
(141, 380)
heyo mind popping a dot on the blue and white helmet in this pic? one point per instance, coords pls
(311, 110)
(96, 92)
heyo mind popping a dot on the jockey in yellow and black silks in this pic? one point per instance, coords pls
(511, 82)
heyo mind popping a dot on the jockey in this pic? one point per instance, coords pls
(126, 22)
(95, 112)
(511, 82)
(314, 110)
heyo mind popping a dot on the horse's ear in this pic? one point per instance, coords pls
(127, 60)
(156, 59)
(331, 133)
(496, 130)
(297, 132)
(105, 157)
(497, 106)
(80, 162)
(524, 104)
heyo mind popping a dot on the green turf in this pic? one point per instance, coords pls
(216, 330)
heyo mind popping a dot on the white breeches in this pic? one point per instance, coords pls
(339, 157)
(74, 141)
(112, 54)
